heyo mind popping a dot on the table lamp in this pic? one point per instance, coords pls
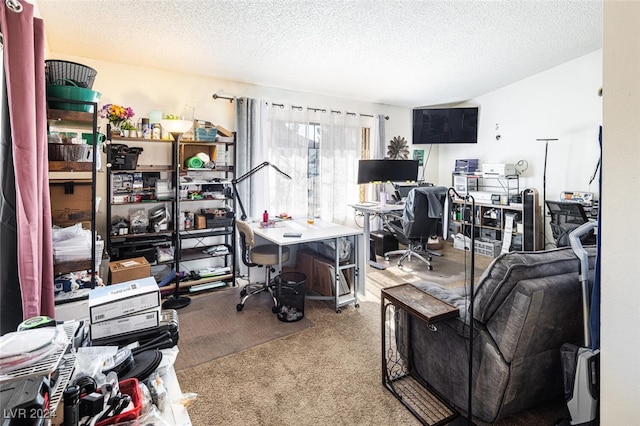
(176, 128)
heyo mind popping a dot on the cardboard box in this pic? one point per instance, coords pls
(323, 276)
(126, 325)
(129, 269)
(304, 264)
(118, 300)
(200, 221)
(320, 273)
(70, 203)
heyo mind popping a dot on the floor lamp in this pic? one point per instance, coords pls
(245, 176)
(544, 192)
(472, 248)
(176, 128)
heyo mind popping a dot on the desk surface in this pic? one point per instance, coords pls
(320, 230)
(377, 207)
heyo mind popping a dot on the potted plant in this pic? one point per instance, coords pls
(129, 130)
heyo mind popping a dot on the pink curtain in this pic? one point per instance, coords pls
(24, 69)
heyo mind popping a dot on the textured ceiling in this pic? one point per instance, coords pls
(398, 52)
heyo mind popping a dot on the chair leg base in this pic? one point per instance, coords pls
(407, 254)
(253, 289)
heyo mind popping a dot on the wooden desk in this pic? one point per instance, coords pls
(321, 231)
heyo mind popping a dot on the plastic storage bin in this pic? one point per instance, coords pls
(290, 293)
(130, 387)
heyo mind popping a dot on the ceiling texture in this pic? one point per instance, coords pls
(406, 53)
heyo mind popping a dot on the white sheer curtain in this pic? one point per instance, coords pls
(340, 148)
(294, 140)
(287, 145)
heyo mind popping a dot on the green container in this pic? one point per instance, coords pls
(194, 163)
(73, 93)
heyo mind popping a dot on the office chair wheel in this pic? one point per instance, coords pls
(357, 305)
(239, 307)
(243, 292)
(386, 258)
(338, 311)
(430, 267)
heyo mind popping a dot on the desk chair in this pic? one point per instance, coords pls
(565, 217)
(265, 255)
(421, 218)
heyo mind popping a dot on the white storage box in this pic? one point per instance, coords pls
(489, 248)
(126, 325)
(119, 300)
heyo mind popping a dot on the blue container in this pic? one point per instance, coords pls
(208, 134)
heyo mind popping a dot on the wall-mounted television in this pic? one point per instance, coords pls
(445, 125)
(387, 170)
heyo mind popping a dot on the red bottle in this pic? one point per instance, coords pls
(265, 216)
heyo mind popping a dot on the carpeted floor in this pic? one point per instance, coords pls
(326, 372)
(211, 327)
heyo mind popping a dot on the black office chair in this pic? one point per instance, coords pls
(422, 218)
(565, 217)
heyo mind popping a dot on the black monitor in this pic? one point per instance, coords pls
(387, 170)
(402, 190)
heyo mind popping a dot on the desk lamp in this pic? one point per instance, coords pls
(176, 128)
(234, 182)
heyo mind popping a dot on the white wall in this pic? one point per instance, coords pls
(559, 103)
(620, 345)
(146, 89)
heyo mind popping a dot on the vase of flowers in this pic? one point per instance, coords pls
(117, 115)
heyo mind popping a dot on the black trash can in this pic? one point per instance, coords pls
(290, 292)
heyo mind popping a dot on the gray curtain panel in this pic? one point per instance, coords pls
(246, 137)
(381, 147)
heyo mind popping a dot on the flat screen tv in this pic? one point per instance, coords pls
(387, 170)
(445, 125)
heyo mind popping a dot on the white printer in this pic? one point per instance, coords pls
(498, 170)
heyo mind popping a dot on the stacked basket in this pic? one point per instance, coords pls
(69, 88)
(70, 81)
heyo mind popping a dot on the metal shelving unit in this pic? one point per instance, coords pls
(71, 174)
(196, 247)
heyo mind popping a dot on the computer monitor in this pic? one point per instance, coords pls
(403, 189)
(387, 170)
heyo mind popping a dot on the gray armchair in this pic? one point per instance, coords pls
(527, 304)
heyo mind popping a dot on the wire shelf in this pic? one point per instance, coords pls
(399, 378)
(61, 360)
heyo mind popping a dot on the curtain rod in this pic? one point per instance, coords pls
(216, 96)
(386, 117)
